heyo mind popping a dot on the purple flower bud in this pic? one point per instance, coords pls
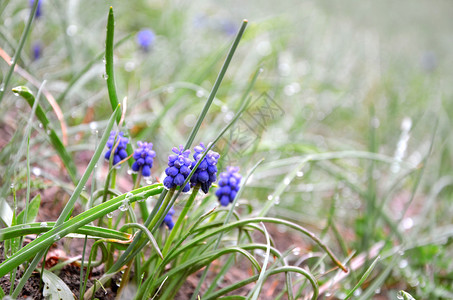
(228, 185)
(178, 169)
(206, 172)
(144, 158)
(120, 151)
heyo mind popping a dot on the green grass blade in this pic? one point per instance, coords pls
(38, 228)
(217, 83)
(4, 84)
(251, 279)
(32, 211)
(257, 288)
(70, 226)
(362, 280)
(109, 68)
(25, 93)
(94, 160)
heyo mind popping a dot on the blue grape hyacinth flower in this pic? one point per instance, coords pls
(168, 220)
(145, 39)
(144, 158)
(120, 151)
(178, 169)
(205, 175)
(229, 183)
(36, 51)
(38, 9)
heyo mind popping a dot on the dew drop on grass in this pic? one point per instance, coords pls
(16, 94)
(2, 87)
(286, 181)
(277, 200)
(48, 131)
(403, 263)
(130, 172)
(129, 195)
(43, 224)
(93, 125)
(12, 186)
(129, 66)
(26, 226)
(110, 215)
(40, 125)
(200, 93)
(57, 237)
(105, 76)
(270, 197)
(300, 174)
(296, 251)
(358, 292)
(148, 180)
(71, 30)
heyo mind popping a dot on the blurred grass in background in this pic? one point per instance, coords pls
(369, 81)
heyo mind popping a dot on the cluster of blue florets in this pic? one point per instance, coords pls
(144, 158)
(120, 142)
(168, 220)
(205, 175)
(178, 169)
(229, 184)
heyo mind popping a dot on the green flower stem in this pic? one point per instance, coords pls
(162, 209)
(142, 204)
(180, 219)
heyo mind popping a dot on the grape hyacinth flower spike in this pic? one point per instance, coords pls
(144, 158)
(145, 39)
(178, 169)
(205, 175)
(229, 184)
(120, 151)
(168, 219)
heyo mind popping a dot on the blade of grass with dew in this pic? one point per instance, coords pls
(216, 86)
(235, 286)
(67, 209)
(70, 226)
(109, 76)
(362, 280)
(4, 84)
(32, 211)
(25, 93)
(227, 220)
(244, 222)
(255, 292)
(94, 160)
(42, 227)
